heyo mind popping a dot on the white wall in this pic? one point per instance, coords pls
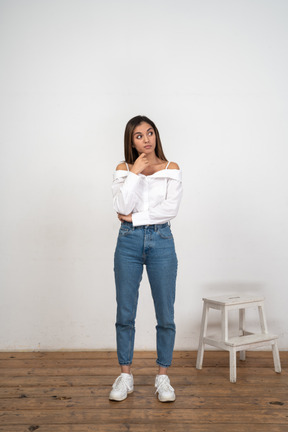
(213, 77)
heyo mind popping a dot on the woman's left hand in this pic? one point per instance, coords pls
(125, 218)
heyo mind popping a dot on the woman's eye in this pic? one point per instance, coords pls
(139, 136)
(150, 133)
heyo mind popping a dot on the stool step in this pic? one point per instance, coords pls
(250, 339)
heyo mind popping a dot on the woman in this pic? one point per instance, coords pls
(147, 190)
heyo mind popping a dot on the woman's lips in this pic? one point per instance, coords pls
(147, 147)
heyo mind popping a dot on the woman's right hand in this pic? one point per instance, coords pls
(140, 164)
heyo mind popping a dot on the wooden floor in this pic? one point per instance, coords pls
(68, 392)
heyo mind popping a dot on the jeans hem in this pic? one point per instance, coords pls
(125, 364)
(162, 364)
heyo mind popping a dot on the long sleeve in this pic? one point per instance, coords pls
(165, 210)
(123, 189)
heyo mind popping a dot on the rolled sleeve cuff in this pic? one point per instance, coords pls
(141, 218)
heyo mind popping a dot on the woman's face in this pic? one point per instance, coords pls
(144, 138)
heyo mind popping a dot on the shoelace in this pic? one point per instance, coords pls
(165, 385)
(120, 383)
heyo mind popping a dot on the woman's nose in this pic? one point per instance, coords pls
(146, 138)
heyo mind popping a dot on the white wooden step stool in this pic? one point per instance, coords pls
(245, 340)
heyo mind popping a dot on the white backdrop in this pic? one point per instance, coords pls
(213, 77)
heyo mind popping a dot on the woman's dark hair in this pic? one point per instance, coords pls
(131, 153)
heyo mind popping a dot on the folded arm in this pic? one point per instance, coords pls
(124, 189)
(164, 211)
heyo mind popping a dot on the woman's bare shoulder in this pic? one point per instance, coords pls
(173, 165)
(122, 166)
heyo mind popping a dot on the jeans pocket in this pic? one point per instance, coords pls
(165, 232)
(124, 231)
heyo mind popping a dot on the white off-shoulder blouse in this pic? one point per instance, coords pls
(152, 199)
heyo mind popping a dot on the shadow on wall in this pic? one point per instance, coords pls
(233, 288)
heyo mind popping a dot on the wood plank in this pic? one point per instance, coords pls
(144, 416)
(34, 363)
(140, 371)
(278, 393)
(148, 401)
(96, 363)
(98, 354)
(207, 379)
(200, 389)
(159, 427)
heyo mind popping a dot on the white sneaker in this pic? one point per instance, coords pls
(122, 386)
(165, 391)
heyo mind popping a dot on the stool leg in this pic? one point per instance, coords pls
(242, 331)
(232, 362)
(224, 323)
(276, 357)
(262, 318)
(203, 330)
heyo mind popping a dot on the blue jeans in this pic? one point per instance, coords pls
(152, 245)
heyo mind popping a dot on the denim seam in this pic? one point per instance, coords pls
(132, 329)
